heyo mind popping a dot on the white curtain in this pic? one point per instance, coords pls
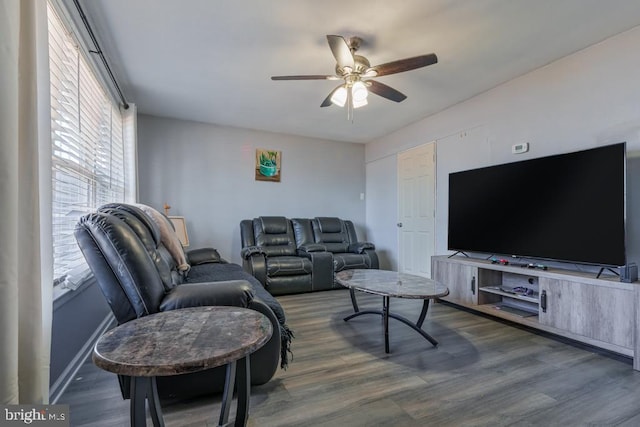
(25, 216)
(130, 137)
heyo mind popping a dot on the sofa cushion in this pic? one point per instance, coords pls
(274, 235)
(274, 224)
(303, 231)
(149, 235)
(283, 285)
(143, 219)
(332, 233)
(288, 266)
(330, 224)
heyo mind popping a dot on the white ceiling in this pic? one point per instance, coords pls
(211, 60)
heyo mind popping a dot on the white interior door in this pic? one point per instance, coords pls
(416, 209)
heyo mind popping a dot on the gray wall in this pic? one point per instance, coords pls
(206, 173)
(587, 99)
(77, 318)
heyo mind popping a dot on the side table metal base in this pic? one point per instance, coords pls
(240, 375)
(144, 389)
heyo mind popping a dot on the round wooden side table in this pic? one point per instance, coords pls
(183, 341)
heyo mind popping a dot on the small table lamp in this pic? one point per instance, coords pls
(180, 225)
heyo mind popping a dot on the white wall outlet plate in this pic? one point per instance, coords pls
(520, 148)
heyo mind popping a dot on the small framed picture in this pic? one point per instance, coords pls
(268, 165)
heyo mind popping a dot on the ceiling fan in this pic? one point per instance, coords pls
(357, 72)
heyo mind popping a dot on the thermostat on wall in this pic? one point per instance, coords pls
(520, 148)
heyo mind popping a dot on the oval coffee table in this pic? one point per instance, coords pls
(392, 284)
(182, 341)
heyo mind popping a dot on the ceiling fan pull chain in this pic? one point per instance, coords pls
(350, 104)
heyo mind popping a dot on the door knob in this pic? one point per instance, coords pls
(399, 225)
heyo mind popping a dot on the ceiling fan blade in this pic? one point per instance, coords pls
(404, 64)
(341, 51)
(306, 77)
(385, 91)
(327, 101)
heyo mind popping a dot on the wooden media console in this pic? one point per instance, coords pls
(601, 312)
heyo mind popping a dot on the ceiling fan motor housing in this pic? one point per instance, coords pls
(361, 65)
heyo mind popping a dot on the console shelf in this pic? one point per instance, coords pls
(498, 290)
(499, 308)
(596, 311)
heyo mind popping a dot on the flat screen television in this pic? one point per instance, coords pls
(567, 207)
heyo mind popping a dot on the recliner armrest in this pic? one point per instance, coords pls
(312, 247)
(360, 247)
(204, 256)
(248, 251)
(237, 293)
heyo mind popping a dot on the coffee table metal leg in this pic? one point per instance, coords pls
(423, 313)
(385, 320)
(243, 378)
(352, 293)
(227, 396)
(386, 314)
(415, 328)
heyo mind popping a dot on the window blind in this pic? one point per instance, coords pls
(88, 148)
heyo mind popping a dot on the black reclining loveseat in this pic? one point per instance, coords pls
(302, 254)
(138, 275)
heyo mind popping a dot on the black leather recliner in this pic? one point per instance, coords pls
(301, 254)
(269, 254)
(339, 237)
(138, 277)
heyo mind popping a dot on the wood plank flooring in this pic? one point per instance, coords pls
(483, 373)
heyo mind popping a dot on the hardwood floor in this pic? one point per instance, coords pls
(483, 373)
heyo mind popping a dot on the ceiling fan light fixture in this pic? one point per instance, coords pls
(339, 97)
(361, 103)
(360, 93)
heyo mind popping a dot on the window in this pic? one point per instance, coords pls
(88, 148)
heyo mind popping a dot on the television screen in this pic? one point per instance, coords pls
(567, 207)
